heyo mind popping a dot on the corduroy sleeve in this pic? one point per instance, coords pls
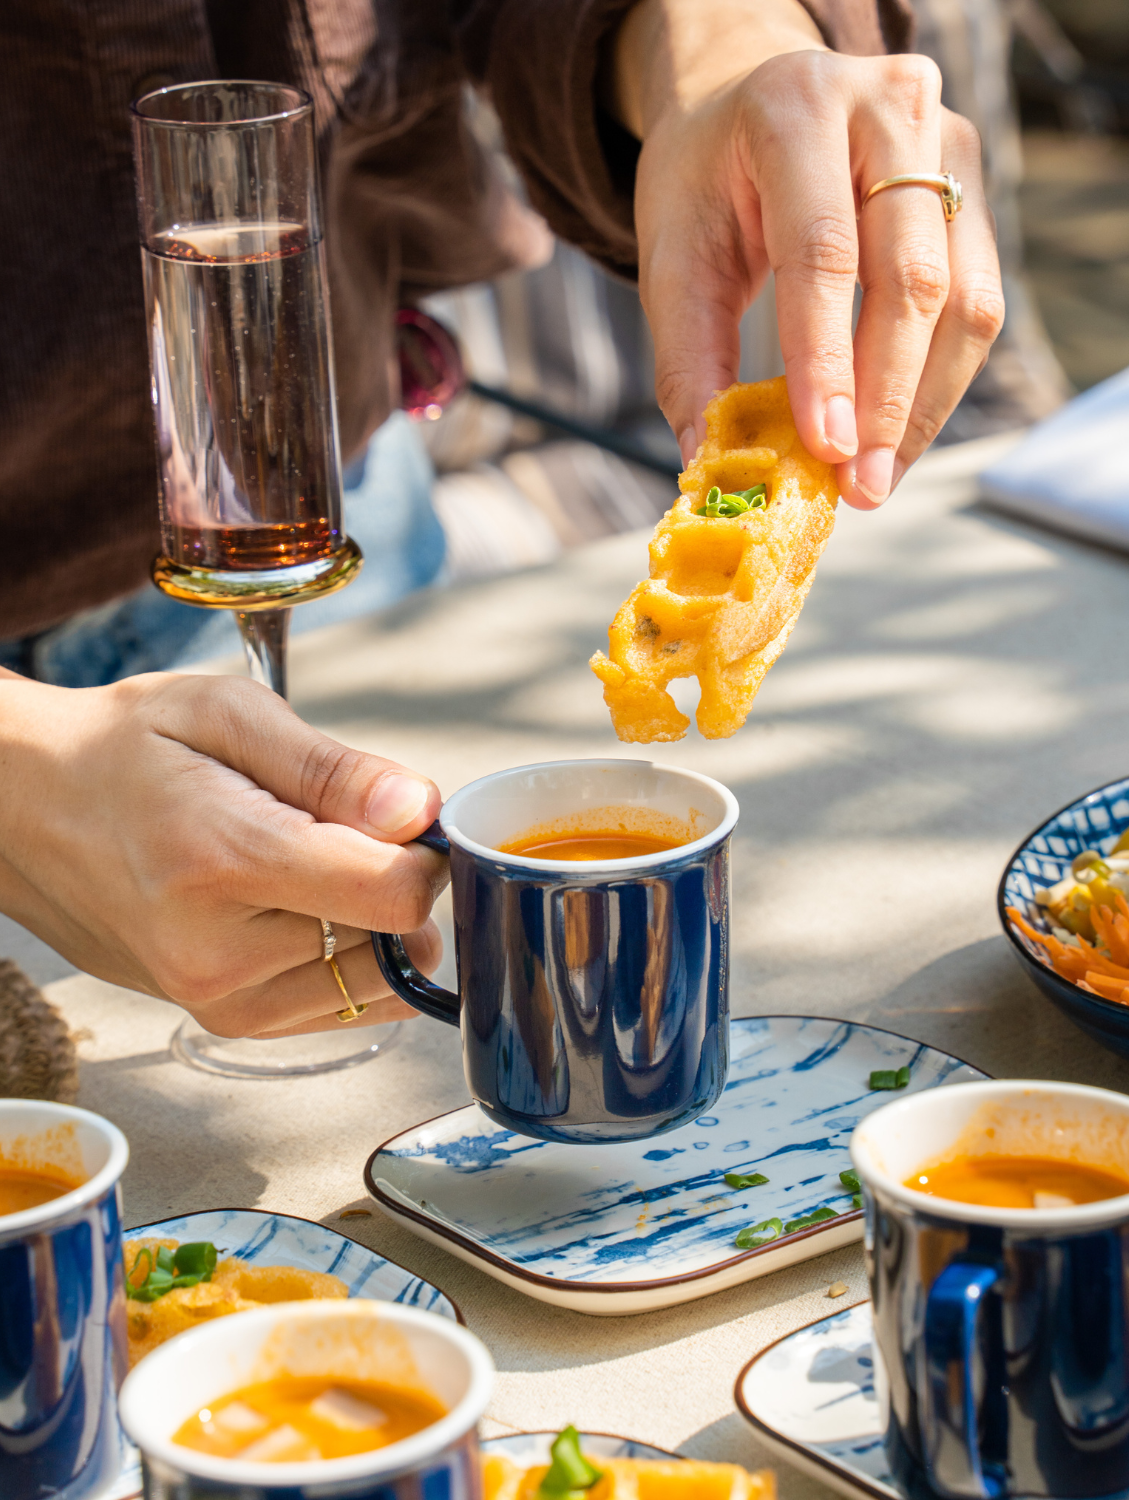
(540, 60)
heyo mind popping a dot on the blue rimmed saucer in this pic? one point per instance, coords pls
(626, 1228)
(1094, 821)
(812, 1400)
(283, 1240)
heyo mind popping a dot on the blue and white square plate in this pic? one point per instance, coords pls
(630, 1227)
(282, 1240)
(811, 1398)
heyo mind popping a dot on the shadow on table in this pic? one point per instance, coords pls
(727, 1436)
(527, 1335)
(193, 1160)
(977, 1003)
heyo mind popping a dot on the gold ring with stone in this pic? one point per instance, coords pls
(328, 940)
(944, 183)
(352, 1009)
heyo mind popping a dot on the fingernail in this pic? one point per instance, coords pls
(688, 446)
(397, 801)
(874, 473)
(839, 425)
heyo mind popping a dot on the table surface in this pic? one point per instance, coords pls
(955, 677)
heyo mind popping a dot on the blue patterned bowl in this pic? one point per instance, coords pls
(1094, 821)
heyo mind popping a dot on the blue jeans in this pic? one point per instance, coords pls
(387, 511)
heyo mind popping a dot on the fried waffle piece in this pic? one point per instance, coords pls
(635, 1479)
(725, 589)
(234, 1286)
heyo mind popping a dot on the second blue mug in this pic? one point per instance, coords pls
(593, 995)
(1001, 1335)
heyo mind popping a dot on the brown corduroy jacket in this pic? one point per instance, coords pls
(412, 205)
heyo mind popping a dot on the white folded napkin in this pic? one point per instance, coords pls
(1072, 471)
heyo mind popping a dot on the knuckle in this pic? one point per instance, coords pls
(921, 281)
(828, 250)
(190, 983)
(326, 776)
(670, 384)
(923, 424)
(227, 1022)
(980, 309)
(918, 82)
(807, 73)
(426, 948)
(890, 412)
(406, 898)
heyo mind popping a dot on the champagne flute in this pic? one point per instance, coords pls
(245, 410)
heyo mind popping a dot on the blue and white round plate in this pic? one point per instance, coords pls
(626, 1228)
(1095, 821)
(283, 1240)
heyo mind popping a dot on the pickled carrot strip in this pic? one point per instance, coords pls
(1108, 987)
(1105, 926)
(1073, 963)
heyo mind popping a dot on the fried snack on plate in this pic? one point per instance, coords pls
(626, 1479)
(234, 1285)
(725, 588)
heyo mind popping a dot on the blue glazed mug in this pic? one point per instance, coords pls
(62, 1307)
(1001, 1335)
(593, 995)
(354, 1339)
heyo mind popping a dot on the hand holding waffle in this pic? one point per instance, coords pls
(759, 150)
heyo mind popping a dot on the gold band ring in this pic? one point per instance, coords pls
(352, 1010)
(329, 943)
(944, 183)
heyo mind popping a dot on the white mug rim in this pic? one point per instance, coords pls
(57, 1211)
(582, 867)
(1104, 1212)
(406, 1455)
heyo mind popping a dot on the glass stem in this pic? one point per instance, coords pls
(265, 633)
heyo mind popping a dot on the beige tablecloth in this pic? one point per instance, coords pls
(954, 678)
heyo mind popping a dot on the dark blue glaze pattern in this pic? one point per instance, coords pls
(62, 1355)
(594, 1009)
(1047, 1356)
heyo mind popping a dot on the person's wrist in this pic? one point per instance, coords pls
(668, 56)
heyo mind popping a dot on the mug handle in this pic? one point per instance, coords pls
(403, 976)
(949, 1413)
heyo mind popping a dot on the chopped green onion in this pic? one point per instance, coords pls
(188, 1265)
(196, 1259)
(745, 1179)
(155, 1285)
(817, 1217)
(850, 1180)
(888, 1078)
(148, 1254)
(717, 504)
(570, 1474)
(856, 1201)
(759, 1234)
